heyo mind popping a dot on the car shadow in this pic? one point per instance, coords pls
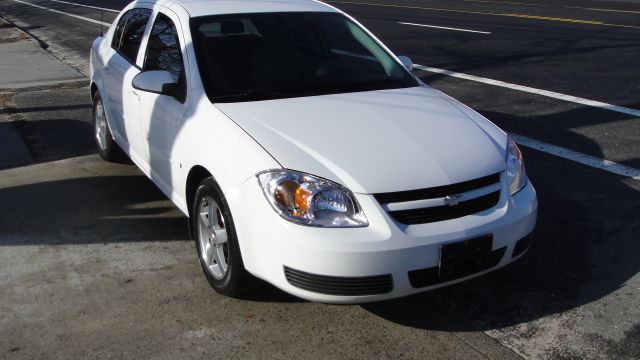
(85, 210)
(265, 292)
(107, 208)
(55, 139)
(585, 249)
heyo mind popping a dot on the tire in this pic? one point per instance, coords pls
(106, 146)
(217, 242)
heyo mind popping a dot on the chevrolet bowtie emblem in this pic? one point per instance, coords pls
(452, 200)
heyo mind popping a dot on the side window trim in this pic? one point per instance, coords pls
(117, 34)
(182, 79)
(163, 17)
(122, 33)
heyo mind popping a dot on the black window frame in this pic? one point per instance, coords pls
(117, 34)
(408, 80)
(182, 78)
(121, 29)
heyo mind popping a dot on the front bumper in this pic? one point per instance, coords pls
(378, 262)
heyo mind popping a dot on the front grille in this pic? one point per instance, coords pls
(431, 276)
(438, 191)
(333, 285)
(442, 212)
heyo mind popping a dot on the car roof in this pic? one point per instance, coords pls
(197, 8)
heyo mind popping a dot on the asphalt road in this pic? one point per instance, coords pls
(577, 292)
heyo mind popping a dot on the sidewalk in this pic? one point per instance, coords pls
(24, 63)
(25, 67)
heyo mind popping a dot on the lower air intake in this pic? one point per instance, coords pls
(333, 285)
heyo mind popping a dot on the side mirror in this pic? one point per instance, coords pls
(158, 82)
(406, 62)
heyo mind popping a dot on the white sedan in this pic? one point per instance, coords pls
(304, 152)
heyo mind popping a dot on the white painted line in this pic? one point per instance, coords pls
(584, 159)
(581, 158)
(551, 94)
(445, 28)
(87, 6)
(65, 13)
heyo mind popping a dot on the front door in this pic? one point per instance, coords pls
(161, 116)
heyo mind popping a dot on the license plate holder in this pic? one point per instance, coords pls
(459, 258)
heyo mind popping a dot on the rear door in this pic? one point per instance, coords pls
(120, 69)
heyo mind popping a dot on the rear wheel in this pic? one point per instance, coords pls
(106, 146)
(216, 241)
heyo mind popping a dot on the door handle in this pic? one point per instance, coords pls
(107, 71)
(136, 94)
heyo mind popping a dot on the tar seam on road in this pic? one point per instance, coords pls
(445, 28)
(87, 6)
(65, 13)
(504, 2)
(521, 16)
(564, 6)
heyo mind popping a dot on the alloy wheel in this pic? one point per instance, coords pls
(100, 126)
(212, 237)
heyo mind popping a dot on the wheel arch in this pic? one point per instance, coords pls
(196, 174)
(94, 90)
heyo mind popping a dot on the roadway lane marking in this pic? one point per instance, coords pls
(535, 17)
(551, 94)
(575, 156)
(65, 13)
(605, 10)
(87, 6)
(504, 2)
(446, 28)
(513, 15)
(564, 6)
(584, 159)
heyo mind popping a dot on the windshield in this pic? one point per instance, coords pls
(247, 57)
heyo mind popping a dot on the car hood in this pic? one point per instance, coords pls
(376, 141)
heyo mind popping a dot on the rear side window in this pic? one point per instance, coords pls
(117, 35)
(163, 50)
(128, 34)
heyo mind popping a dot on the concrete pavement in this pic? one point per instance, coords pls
(31, 80)
(574, 295)
(95, 262)
(25, 64)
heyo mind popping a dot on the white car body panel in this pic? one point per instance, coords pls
(232, 158)
(203, 8)
(381, 248)
(417, 132)
(370, 142)
(159, 118)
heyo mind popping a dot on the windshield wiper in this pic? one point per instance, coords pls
(253, 94)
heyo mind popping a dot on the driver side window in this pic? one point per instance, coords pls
(163, 50)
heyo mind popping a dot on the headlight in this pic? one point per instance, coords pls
(305, 199)
(516, 176)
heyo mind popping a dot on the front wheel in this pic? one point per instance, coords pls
(217, 242)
